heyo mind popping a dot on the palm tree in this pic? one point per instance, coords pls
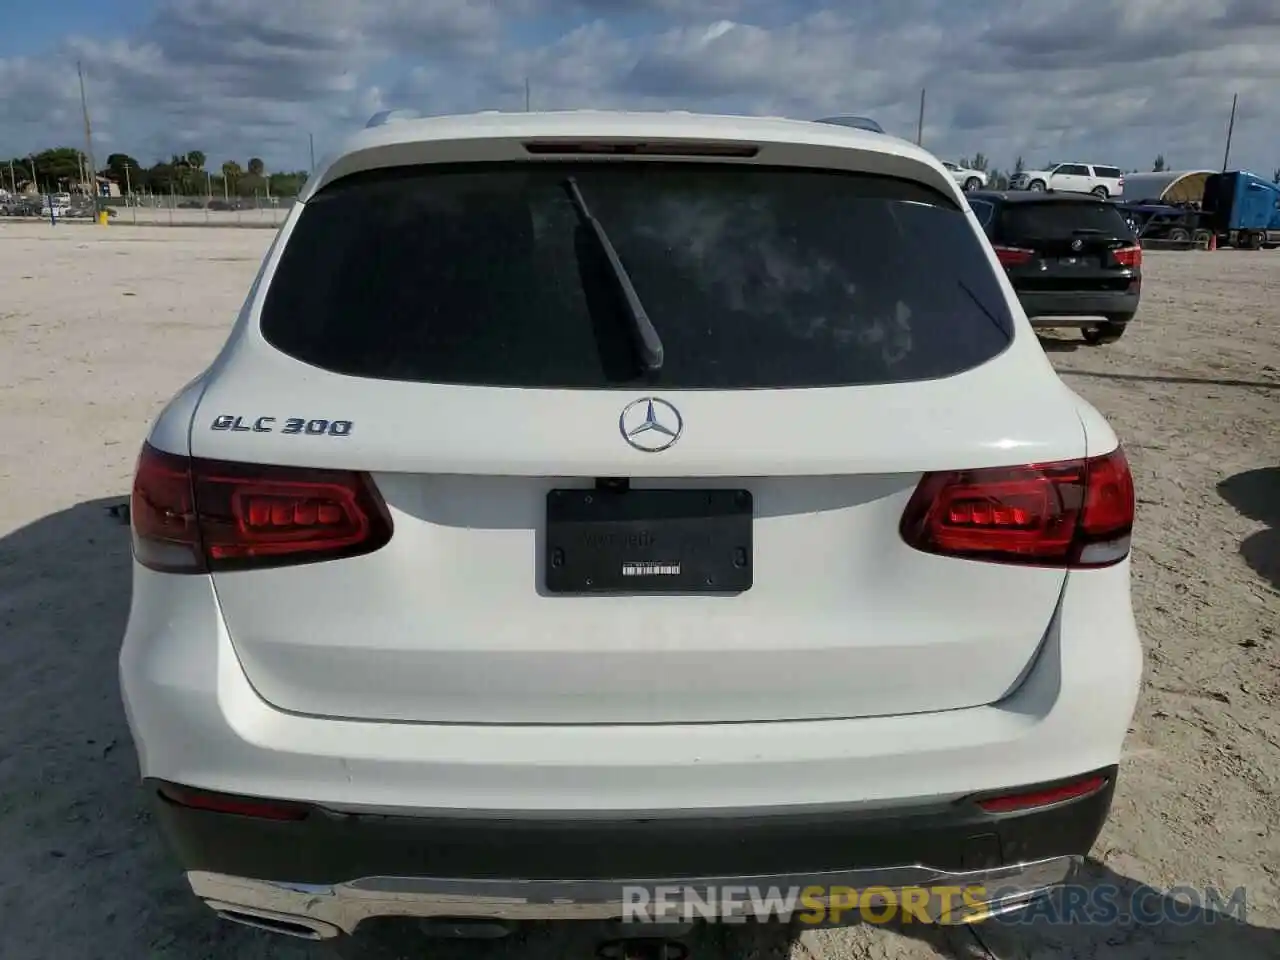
(256, 166)
(231, 173)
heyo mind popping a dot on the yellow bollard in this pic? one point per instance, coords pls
(103, 219)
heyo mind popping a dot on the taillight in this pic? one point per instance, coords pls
(230, 803)
(1128, 256)
(1046, 797)
(1073, 513)
(195, 516)
(1014, 256)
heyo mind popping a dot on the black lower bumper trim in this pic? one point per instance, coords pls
(328, 847)
(1079, 303)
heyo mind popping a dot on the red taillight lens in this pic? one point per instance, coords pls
(229, 803)
(1032, 799)
(1075, 513)
(1128, 256)
(195, 516)
(1013, 256)
(162, 512)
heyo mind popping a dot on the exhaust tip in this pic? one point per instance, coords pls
(303, 928)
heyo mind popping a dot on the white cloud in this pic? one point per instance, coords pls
(1104, 80)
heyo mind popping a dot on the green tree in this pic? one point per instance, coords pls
(22, 172)
(197, 159)
(231, 174)
(1275, 177)
(125, 170)
(256, 166)
(57, 168)
(1019, 166)
(162, 177)
(1158, 166)
(979, 162)
(287, 184)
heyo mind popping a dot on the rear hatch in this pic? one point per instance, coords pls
(457, 332)
(1067, 244)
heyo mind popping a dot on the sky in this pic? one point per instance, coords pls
(1102, 81)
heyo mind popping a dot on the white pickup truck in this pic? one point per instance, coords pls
(1093, 178)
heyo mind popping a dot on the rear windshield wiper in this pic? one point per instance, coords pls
(648, 343)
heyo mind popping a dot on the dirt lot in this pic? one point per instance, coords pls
(99, 326)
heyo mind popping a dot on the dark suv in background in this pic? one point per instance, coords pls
(1073, 259)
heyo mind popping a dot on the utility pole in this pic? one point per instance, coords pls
(1231, 126)
(311, 138)
(12, 178)
(35, 180)
(526, 94)
(920, 122)
(88, 140)
(128, 192)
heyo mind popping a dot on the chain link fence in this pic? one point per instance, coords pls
(161, 210)
(156, 210)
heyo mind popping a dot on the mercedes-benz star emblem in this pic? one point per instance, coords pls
(650, 424)
(1077, 244)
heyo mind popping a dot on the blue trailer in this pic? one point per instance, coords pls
(1236, 208)
(1243, 210)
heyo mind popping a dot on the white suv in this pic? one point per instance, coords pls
(968, 178)
(1101, 181)
(591, 498)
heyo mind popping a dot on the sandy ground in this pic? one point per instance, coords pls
(98, 327)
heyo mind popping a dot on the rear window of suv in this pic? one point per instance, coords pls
(1060, 220)
(753, 277)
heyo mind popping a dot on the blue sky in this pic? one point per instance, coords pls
(1107, 81)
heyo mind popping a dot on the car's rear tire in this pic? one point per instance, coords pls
(1101, 192)
(1250, 240)
(1109, 331)
(973, 183)
(1179, 234)
(1036, 186)
(1202, 236)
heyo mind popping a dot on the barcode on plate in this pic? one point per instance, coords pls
(651, 569)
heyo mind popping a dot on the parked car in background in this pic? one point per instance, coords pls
(507, 553)
(22, 206)
(1073, 260)
(967, 177)
(1101, 181)
(858, 123)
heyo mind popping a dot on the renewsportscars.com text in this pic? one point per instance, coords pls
(1070, 904)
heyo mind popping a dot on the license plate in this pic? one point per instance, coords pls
(1077, 261)
(648, 541)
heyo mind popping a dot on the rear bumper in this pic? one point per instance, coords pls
(511, 813)
(331, 847)
(324, 875)
(1069, 308)
(196, 720)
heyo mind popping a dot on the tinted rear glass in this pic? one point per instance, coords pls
(1056, 221)
(1112, 173)
(753, 277)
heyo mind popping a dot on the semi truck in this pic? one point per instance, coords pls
(1234, 208)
